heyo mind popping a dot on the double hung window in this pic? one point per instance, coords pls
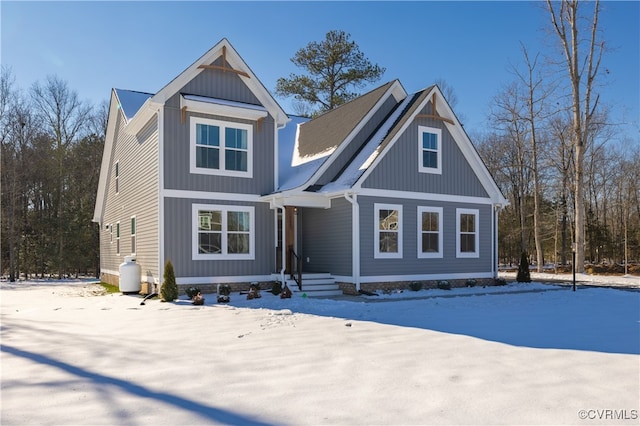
(388, 231)
(221, 148)
(429, 150)
(223, 232)
(429, 232)
(467, 240)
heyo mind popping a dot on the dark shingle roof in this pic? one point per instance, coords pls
(326, 132)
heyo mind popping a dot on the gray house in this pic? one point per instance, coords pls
(213, 175)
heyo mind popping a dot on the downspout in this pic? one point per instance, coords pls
(494, 240)
(355, 238)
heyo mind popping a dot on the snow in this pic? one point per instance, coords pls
(367, 155)
(131, 101)
(534, 353)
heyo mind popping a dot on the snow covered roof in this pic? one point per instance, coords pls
(130, 101)
(289, 175)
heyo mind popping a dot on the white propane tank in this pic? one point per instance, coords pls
(130, 275)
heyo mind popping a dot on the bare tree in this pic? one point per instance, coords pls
(566, 19)
(65, 117)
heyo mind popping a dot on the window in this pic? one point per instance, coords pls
(110, 233)
(388, 231)
(133, 235)
(117, 173)
(221, 148)
(117, 237)
(467, 233)
(223, 232)
(429, 232)
(429, 150)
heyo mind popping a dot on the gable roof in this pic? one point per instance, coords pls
(382, 141)
(319, 141)
(130, 101)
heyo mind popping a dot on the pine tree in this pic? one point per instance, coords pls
(524, 276)
(169, 291)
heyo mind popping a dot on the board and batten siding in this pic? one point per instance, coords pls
(138, 196)
(361, 138)
(327, 238)
(410, 264)
(398, 169)
(177, 175)
(179, 234)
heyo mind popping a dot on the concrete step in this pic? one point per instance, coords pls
(316, 285)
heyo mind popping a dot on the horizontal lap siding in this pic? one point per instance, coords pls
(179, 232)
(138, 196)
(326, 238)
(410, 264)
(398, 170)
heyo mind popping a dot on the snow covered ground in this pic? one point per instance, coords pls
(518, 354)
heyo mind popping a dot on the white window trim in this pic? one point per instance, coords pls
(116, 172)
(193, 121)
(224, 209)
(376, 231)
(134, 249)
(425, 209)
(118, 232)
(421, 167)
(476, 213)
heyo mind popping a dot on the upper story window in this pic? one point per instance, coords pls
(429, 232)
(429, 150)
(117, 237)
(133, 235)
(388, 231)
(117, 173)
(223, 232)
(221, 148)
(467, 235)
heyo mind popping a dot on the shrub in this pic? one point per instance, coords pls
(277, 288)
(169, 291)
(500, 281)
(444, 285)
(471, 283)
(192, 292)
(224, 290)
(524, 276)
(416, 285)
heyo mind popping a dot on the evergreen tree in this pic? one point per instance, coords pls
(169, 291)
(524, 276)
(333, 66)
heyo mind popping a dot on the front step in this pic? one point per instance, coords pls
(315, 285)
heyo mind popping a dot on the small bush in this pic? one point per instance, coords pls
(500, 281)
(471, 283)
(416, 285)
(444, 285)
(169, 291)
(192, 292)
(276, 289)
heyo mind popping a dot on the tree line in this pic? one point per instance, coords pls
(573, 182)
(51, 153)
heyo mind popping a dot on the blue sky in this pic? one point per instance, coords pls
(95, 46)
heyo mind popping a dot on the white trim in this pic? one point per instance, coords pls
(204, 195)
(118, 233)
(301, 200)
(421, 167)
(421, 253)
(424, 277)
(476, 213)
(376, 231)
(195, 255)
(160, 196)
(426, 196)
(214, 106)
(133, 234)
(222, 125)
(222, 280)
(116, 176)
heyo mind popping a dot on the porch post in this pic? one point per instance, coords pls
(355, 238)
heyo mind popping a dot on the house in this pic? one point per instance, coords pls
(212, 174)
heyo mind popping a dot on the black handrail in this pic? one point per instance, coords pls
(296, 271)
